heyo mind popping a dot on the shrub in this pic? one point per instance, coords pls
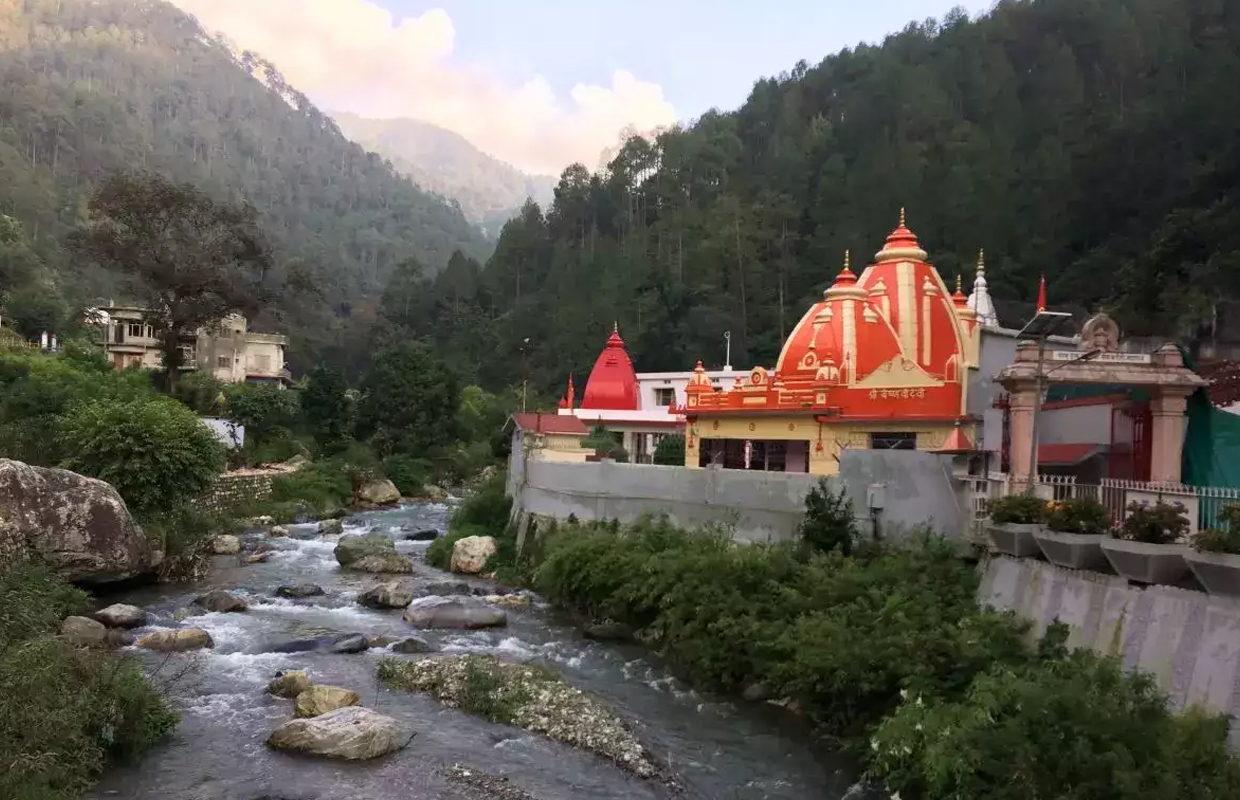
(1078, 515)
(267, 412)
(1019, 509)
(828, 524)
(65, 713)
(408, 473)
(325, 485)
(201, 392)
(484, 513)
(670, 451)
(157, 453)
(1075, 725)
(605, 444)
(1225, 539)
(182, 530)
(1160, 523)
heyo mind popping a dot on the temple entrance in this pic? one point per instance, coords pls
(761, 455)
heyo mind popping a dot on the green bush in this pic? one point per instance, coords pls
(1082, 515)
(325, 485)
(202, 393)
(670, 451)
(1018, 509)
(1160, 523)
(1068, 726)
(183, 529)
(484, 513)
(65, 713)
(157, 453)
(408, 473)
(829, 524)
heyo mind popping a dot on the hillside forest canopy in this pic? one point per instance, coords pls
(1083, 141)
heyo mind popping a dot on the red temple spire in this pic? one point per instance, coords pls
(1042, 294)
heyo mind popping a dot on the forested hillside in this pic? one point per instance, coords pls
(93, 86)
(488, 190)
(1093, 141)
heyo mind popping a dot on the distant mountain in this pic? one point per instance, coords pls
(488, 190)
(92, 86)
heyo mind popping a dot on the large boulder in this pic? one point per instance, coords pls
(84, 632)
(289, 683)
(413, 644)
(176, 640)
(428, 535)
(386, 595)
(352, 733)
(119, 615)
(351, 548)
(381, 492)
(471, 553)
(453, 612)
(300, 590)
(221, 601)
(445, 588)
(225, 545)
(321, 699)
(331, 527)
(392, 564)
(79, 525)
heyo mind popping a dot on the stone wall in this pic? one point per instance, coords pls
(1188, 641)
(916, 489)
(236, 489)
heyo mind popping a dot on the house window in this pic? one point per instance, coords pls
(893, 441)
(223, 362)
(664, 397)
(136, 330)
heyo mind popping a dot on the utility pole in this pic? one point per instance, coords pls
(525, 370)
(727, 343)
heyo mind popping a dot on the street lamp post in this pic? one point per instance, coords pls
(525, 370)
(727, 343)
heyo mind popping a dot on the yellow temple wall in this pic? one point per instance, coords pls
(835, 436)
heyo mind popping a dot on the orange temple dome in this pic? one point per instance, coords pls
(612, 385)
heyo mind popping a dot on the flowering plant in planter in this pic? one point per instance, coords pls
(1215, 559)
(1161, 523)
(1081, 515)
(1225, 539)
(1017, 509)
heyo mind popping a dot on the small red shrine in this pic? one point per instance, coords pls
(880, 362)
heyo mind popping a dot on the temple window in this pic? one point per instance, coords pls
(893, 441)
(664, 397)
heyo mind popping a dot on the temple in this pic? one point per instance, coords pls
(632, 405)
(881, 362)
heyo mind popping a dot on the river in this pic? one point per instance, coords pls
(719, 749)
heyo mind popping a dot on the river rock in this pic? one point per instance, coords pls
(84, 632)
(471, 553)
(508, 600)
(435, 493)
(78, 525)
(428, 535)
(117, 637)
(319, 700)
(289, 683)
(352, 733)
(225, 545)
(412, 644)
(331, 527)
(391, 564)
(351, 548)
(756, 693)
(607, 631)
(263, 521)
(176, 640)
(278, 532)
(119, 615)
(300, 590)
(445, 588)
(348, 643)
(453, 612)
(381, 640)
(221, 601)
(386, 595)
(256, 558)
(379, 492)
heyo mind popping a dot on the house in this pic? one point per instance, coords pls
(227, 350)
(549, 437)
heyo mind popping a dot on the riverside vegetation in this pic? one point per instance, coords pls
(882, 647)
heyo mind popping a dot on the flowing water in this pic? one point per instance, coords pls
(718, 749)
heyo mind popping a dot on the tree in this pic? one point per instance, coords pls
(155, 451)
(266, 412)
(605, 444)
(193, 260)
(670, 451)
(409, 401)
(326, 408)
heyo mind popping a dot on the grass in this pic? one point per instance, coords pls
(66, 713)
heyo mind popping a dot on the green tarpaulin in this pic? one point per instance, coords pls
(1212, 444)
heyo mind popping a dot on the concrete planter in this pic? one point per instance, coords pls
(1218, 572)
(1015, 539)
(1072, 550)
(1147, 563)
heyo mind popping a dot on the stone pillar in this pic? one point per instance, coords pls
(1167, 436)
(1021, 399)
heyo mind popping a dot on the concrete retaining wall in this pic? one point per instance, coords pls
(763, 506)
(1189, 641)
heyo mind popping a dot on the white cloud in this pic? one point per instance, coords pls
(353, 55)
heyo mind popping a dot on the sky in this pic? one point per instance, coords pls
(543, 83)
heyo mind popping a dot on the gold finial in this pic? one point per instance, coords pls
(847, 258)
(902, 216)
(981, 261)
(959, 284)
(615, 327)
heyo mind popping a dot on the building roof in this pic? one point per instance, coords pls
(565, 424)
(612, 385)
(1066, 455)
